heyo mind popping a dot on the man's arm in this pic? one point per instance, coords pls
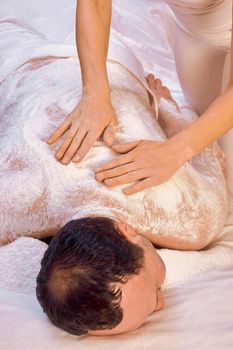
(94, 115)
(171, 242)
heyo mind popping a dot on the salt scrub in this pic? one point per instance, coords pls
(39, 194)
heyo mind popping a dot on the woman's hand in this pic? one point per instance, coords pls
(147, 163)
(93, 116)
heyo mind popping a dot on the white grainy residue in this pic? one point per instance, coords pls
(39, 195)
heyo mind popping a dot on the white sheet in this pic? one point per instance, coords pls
(199, 314)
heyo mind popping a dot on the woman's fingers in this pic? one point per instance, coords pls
(141, 185)
(126, 158)
(66, 143)
(93, 115)
(120, 170)
(126, 178)
(74, 146)
(155, 162)
(88, 142)
(125, 147)
(59, 131)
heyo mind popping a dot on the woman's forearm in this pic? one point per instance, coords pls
(231, 73)
(211, 125)
(93, 19)
(94, 115)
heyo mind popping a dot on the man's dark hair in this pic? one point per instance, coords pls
(76, 285)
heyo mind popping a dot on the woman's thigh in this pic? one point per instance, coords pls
(199, 68)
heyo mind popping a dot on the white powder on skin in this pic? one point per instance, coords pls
(39, 195)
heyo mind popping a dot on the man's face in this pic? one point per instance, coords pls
(141, 294)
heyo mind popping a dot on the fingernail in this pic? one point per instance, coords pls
(65, 160)
(58, 155)
(76, 158)
(99, 177)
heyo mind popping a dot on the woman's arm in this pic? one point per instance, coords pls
(150, 163)
(94, 114)
(231, 74)
(212, 124)
(92, 36)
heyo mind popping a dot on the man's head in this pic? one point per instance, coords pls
(99, 276)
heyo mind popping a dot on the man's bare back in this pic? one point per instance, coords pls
(186, 212)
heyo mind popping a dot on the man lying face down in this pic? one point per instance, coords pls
(99, 276)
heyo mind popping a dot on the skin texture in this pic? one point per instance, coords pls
(137, 302)
(144, 162)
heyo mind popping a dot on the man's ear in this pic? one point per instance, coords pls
(126, 230)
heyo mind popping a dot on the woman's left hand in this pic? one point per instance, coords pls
(147, 163)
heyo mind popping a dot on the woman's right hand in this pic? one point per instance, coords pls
(92, 117)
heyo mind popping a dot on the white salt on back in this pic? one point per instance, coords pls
(39, 194)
